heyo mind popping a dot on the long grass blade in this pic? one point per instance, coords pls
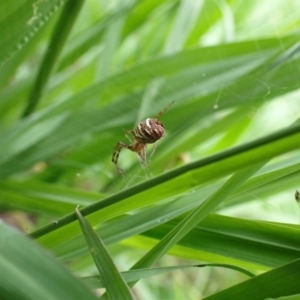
(114, 283)
(59, 37)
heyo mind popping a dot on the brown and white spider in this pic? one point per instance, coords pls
(146, 132)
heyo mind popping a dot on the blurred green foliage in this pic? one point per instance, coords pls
(219, 188)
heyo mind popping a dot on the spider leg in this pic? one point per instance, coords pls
(127, 135)
(154, 148)
(162, 111)
(143, 156)
(143, 160)
(116, 154)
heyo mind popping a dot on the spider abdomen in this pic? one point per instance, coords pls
(146, 132)
(149, 131)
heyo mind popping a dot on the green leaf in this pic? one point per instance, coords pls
(207, 60)
(23, 23)
(133, 275)
(221, 239)
(282, 281)
(57, 201)
(232, 267)
(229, 161)
(195, 217)
(232, 71)
(59, 36)
(20, 21)
(114, 283)
(28, 272)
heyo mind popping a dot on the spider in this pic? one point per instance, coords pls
(146, 132)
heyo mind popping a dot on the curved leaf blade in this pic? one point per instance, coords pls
(114, 283)
(27, 272)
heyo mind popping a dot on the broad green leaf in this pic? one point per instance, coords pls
(28, 272)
